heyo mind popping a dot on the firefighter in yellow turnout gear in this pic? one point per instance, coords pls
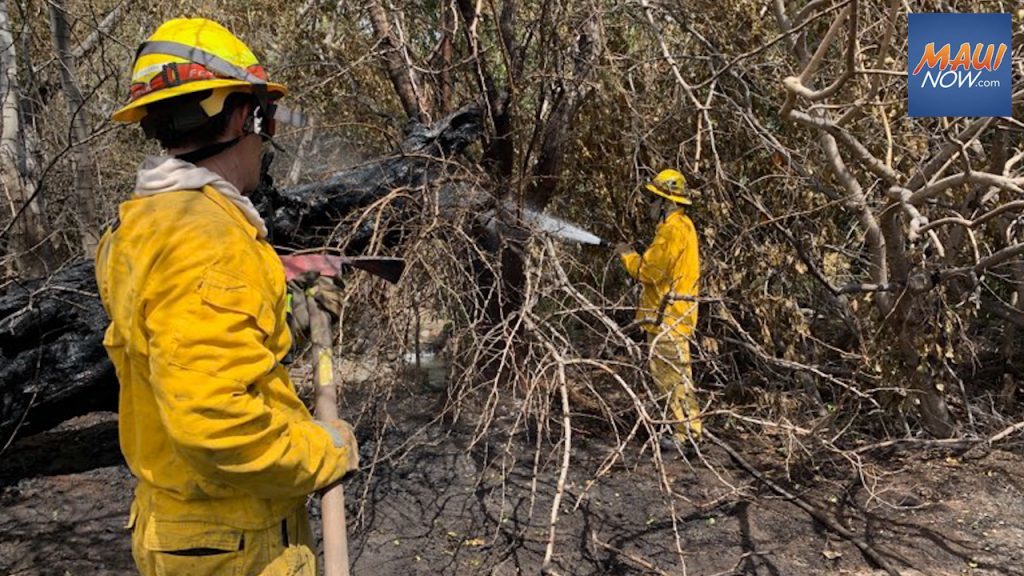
(669, 270)
(224, 451)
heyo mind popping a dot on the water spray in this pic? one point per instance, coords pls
(550, 224)
(562, 229)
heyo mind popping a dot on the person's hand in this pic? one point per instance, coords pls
(344, 436)
(623, 248)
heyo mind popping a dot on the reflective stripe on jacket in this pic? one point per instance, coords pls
(670, 264)
(209, 420)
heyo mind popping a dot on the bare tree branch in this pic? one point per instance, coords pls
(399, 69)
(102, 29)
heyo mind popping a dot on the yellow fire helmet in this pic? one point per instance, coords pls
(670, 184)
(188, 55)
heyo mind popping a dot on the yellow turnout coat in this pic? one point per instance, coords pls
(210, 423)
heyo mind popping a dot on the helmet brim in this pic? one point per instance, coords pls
(677, 199)
(136, 110)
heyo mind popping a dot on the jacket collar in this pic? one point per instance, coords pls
(160, 174)
(234, 211)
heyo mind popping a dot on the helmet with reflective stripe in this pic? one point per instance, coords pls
(670, 184)
(188, 55)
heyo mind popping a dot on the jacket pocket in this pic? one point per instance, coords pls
(195, 548)
(223, 290)
(177, 536)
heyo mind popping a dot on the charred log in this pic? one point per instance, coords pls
(52, 362)
(305, 215)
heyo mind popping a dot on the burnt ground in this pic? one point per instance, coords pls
(432, 503)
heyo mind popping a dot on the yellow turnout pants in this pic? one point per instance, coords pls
(670, 368)
(167, 547)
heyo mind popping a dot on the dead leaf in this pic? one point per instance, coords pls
(831, 554)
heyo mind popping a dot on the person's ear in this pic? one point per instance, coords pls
(236, 121)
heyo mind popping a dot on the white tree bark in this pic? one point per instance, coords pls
(82, 161)
(29, 243)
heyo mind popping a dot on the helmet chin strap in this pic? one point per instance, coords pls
(254, 124)
(212, 150)
(200, 154)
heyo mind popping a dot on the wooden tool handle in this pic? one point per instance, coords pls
(332, 503)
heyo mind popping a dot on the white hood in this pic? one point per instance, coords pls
(158, 174)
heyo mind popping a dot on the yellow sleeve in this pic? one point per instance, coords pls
(632, 263)
(207, 324)
(657, 265)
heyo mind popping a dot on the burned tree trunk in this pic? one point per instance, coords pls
(305, 215)
(52, 362)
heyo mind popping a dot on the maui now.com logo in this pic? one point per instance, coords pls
(946, 73)
(961, 65)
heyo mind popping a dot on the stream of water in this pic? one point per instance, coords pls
(560, 228)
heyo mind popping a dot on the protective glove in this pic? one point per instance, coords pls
(343, 435)
(623, 248)
(328, 293)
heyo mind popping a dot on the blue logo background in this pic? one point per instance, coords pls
(956, 29)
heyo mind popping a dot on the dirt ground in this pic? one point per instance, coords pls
(427, 502)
